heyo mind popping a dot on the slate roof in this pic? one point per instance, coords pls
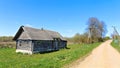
(36, 34)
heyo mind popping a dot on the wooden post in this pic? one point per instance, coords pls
(89, 35)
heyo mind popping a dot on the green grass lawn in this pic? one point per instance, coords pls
(116, 45)
(9, 59)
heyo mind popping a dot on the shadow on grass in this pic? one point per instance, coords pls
(45, 52)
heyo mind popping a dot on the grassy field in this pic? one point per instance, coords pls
(9, 59)
(7, 44)
(116, 45)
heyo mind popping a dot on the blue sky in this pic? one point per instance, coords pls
(67, 17)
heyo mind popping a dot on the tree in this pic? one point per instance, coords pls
(96, 29)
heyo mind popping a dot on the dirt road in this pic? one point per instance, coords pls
(104, 56)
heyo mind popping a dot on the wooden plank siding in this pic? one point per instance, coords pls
(42, 46)
(24, 45)
(47, 45)
(62, 44)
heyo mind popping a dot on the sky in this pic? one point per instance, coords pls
(67, 17)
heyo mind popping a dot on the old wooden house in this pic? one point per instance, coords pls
(31, 40)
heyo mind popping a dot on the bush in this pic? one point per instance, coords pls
(78, 39)
(116, 45)
(106, 38)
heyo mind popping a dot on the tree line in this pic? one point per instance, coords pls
(6, 39)
(95, 32)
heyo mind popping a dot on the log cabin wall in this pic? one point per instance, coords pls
(41, 46)
(62, 44)
(24, 44)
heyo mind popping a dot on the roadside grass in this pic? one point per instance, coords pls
(116, 45)
(10, 59)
